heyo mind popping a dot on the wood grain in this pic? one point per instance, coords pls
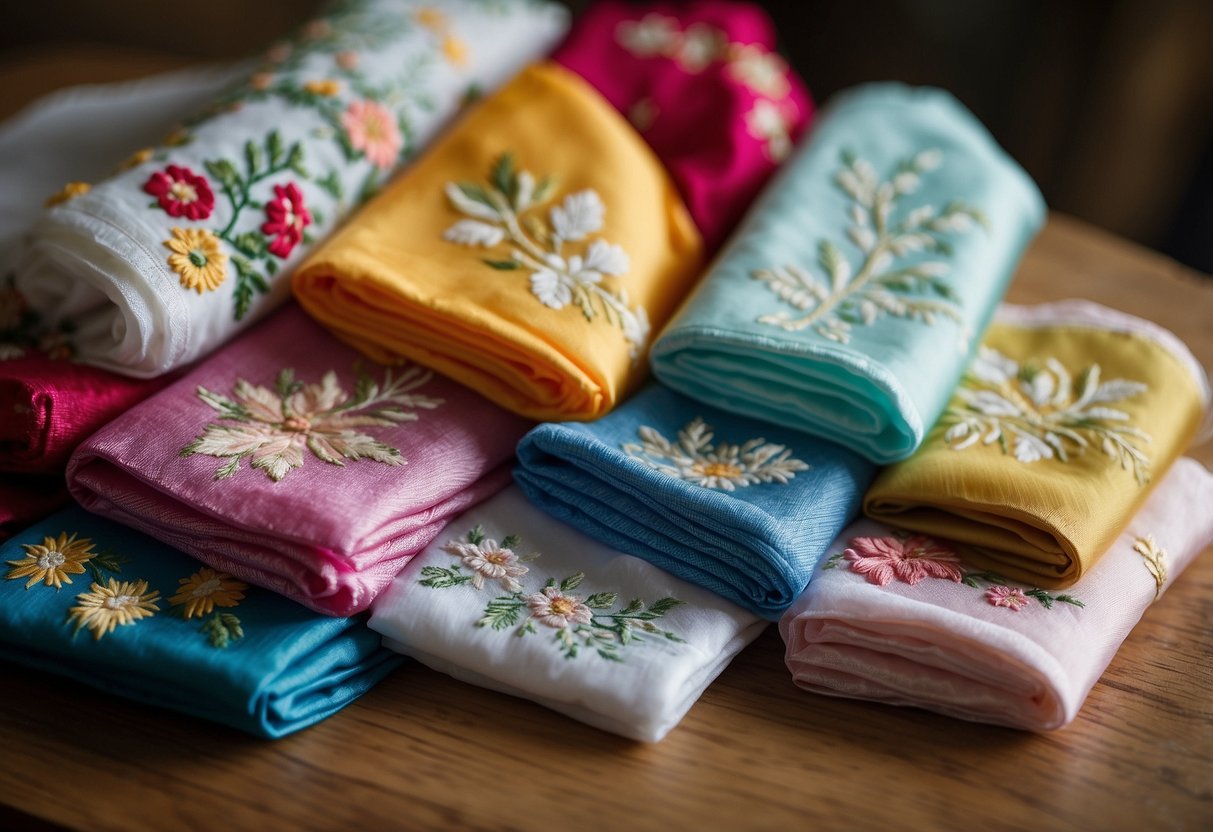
(423, 751)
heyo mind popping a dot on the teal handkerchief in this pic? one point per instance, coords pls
(101, 603)
(850, 300)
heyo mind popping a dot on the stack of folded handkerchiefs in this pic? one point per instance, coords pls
(477, 238)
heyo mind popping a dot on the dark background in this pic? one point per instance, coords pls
(1109, 105)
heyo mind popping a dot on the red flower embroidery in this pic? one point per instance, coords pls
(182, 193)
(285, 219)
(884, 558)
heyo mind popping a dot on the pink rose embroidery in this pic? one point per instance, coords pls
(910, 560)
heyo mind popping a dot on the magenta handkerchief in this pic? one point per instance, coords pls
(897, 618)
(290, 462)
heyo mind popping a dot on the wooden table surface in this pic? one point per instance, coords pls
(423, 751)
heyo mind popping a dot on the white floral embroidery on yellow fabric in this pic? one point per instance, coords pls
(1155, 558)
(273, 426)
(848, 296)
(1041, 412)
(503, 210)
(725, 467)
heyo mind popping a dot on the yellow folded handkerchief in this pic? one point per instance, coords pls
(528, 255)
(1068, 415)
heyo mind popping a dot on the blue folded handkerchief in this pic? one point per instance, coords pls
(742, 509)
(849, 302)
(101, 603)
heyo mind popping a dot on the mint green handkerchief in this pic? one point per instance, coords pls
(850, 300)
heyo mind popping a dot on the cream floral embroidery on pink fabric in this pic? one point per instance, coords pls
(272, 427)
(909, 560)
(1006, 596)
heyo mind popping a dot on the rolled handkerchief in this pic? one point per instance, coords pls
(117, 610)
(51, 403)
(739, 508)
(848, 303)
(290, 464)
(1050, 443)
(702, 83)
(897, 618)
(27, 499)
(515, 601)
(163, 262)
(527, 255)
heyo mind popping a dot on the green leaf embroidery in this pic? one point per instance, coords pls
(438, 577)
(221, 629)
(503, 265)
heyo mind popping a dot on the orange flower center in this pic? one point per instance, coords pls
(726, 470)
(184, 192)
(297, 424)
(497, 557)
(562, 606)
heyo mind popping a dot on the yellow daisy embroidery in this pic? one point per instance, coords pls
(207, 589)
(52, 561)
(455, 50)
(197, 258)
(103, 608)
(136, 159)
(325, 87)
(69, 191)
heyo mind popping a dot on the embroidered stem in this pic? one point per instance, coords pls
(832, 302)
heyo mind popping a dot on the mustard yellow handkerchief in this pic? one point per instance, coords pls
(528, 255)
(1068, 415)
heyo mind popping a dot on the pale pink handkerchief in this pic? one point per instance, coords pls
(290, 462)
(896, 618)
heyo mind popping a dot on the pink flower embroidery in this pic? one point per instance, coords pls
(181, 192)
(882, 559)
(553, 608)
(372, 129)
(285, 219)
(1005, 596)
(487, 559)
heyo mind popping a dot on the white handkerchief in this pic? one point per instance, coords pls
(43, 146)
(164, 261)
(896, 617)
(513, 600)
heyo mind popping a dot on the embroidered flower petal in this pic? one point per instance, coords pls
(580, 214)
(551, 289)
(472, 233)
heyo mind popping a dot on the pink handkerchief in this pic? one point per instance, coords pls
(51, 405)
(291, 463)
(896, 618)
(702, 83)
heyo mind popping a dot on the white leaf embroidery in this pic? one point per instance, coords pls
(472, 233)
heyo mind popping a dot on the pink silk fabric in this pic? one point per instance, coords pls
(328, 535)
(702, 84)
(25, 500)
(50, 406)
(980, 652)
